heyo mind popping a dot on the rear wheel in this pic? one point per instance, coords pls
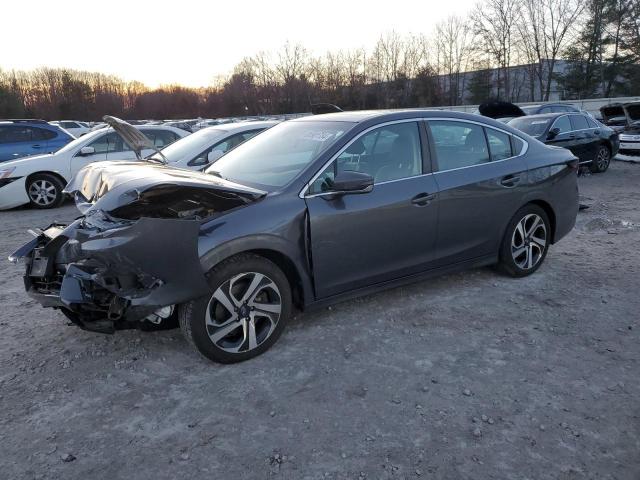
(526, 242)
(603, 159)
(45, 191)
(243, 315)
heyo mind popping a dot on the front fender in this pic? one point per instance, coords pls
(264, 242)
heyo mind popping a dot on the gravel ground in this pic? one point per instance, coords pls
(468, 376)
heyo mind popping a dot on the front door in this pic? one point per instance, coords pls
(363, 239)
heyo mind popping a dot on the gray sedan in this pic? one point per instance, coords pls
(310, 212)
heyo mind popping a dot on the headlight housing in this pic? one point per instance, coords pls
(5, 172)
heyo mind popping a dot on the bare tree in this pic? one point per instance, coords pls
(494, 24)
(453, 53)
(545, 27)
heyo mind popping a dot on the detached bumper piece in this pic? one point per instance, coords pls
(107, 275)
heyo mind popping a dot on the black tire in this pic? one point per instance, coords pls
(45, 191)
(244, 268)
(512, 259)
(601, 162)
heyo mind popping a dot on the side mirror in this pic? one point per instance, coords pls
(553, 133)
(84, 151)
(214, 155)
(352, 182)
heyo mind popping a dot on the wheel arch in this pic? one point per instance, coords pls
(276, 250)
(288, 267)
(548, 209)
(46, 172)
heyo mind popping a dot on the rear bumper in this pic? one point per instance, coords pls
(112, 276)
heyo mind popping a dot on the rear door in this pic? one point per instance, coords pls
(480, 177)
(363, 239)
(588, 141)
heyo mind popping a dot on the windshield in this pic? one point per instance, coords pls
(531, 126)
(275, 157)
(190, 145)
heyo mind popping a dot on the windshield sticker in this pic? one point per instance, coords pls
(318, 136)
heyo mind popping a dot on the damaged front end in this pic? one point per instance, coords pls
(131, 261)
(107, 274)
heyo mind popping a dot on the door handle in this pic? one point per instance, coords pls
(36, 146)
(510, 181)
(423, 199)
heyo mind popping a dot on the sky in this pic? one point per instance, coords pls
(190, 42)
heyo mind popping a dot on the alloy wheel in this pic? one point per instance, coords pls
(603, 158)
(243, 312)
(42, 192)
(529, 241)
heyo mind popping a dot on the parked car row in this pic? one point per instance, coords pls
(592, 142)
(40, 180)
(307, 213)
(22, 138)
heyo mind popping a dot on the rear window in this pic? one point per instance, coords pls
(42, 134)
(531, 126)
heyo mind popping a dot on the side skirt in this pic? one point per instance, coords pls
(378, 287)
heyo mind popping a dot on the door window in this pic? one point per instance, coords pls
(223, 147)
(578, 122)
(160, 138)
(499, 144)
(15, 134)
(111, 142)
(592, 122)
(458, 144)
(387, 153)
(563, 124)
(42, 134)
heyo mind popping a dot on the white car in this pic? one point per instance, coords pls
(202, 148)
(74, 127)
(40, 180)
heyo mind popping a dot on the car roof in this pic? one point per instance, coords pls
(362, 116)
(549, 115)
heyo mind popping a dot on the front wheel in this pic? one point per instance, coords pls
(243, 315)
(526, 242)
(601, 162)
(45, 191)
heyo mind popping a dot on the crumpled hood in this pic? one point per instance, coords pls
(154, 190)
(633, 111)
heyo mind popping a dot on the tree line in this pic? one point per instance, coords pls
(513, 50)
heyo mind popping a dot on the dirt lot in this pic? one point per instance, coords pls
(467, 376)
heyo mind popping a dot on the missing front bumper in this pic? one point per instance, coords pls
(107, 275)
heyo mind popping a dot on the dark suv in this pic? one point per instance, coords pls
(22, 138)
